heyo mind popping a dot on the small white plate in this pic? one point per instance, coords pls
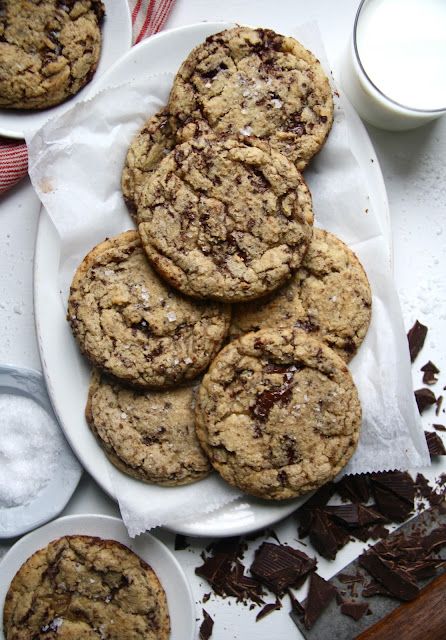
(14, 521)
(116, 40)
(179, 596)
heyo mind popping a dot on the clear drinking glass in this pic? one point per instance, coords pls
(394, 70)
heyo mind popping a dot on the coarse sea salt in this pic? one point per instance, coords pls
(30, 443)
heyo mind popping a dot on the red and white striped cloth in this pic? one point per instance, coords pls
(148, 17)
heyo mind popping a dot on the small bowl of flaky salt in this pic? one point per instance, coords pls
(38, 471)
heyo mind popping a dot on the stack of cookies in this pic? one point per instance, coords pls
(225, 276)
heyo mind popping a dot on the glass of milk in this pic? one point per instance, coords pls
(394, 71)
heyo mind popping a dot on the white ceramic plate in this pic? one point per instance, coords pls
(179, 596)
(14, 521)
(68, 377)
(116, 40)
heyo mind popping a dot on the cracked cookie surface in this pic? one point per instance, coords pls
(228, 220)
(329, 296)
(256, 82)
(278, 413)
(148, 435)
(133, 326)
(85, 588)
(48, 50)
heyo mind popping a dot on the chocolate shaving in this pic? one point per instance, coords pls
(424, 398)
(430, 373)
(438, 402)
(354, 609)
(268, 608)
(436, 540)
(434, 444)
(416, 337)
(206, 626)
(280, 566)
(320, 594)
(181, 542)
(439, 427)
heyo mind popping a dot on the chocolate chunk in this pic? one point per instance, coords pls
(416, 337)
(206, 626)
(391, 506)
(430, 373)
(296, 607)
(180, 542)
(398, 482)
(355, 488)
(280, 566)
(354, 609)
(374, 588)
(271, 606)
(434, 444)
(439, 427)
(396, 581)
(355, 515)
(320, 594)
(326, 537)
(425, 398)
(265, 400)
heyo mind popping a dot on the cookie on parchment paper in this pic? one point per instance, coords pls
(134, 326)
(48, 51)
(227, 219)
(148, 435)
(329, 296)
(256, 82)
(85, 587)
(278, 413)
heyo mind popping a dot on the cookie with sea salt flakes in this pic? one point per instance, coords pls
(225, 219)
(278, 413)
(329, 296)
(149, 435)
(80, 587)
(133, 326)
(260, 83)
(48, 50)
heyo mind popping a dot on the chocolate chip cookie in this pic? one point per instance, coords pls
(227, 220)
(278, 413)
(256, 82)
(81, 587)
(48, 50)
(329, 296)
(133, 326)
(148, 435)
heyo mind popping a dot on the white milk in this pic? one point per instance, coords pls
(401, 45)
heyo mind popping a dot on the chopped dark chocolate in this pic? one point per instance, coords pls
(425, 398)
(206, 626)
(355, 488)
(430, 372)
(374, 588)
(391, 506)
(354, 515)
(398, 482)
(346, 578)
(438, 402)
(436, 540)
(434, 444)
(181, 542)
(354, 609)
(397, 581)
(281, 566)
(268, 608)
(416, 337)
(296, 607)
(439, 427)
(325, 536)
(320, 594)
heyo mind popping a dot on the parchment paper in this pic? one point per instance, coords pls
(75, 164)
